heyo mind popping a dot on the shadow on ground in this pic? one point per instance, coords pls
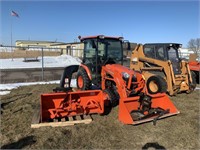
(29, 140)
(153, 145)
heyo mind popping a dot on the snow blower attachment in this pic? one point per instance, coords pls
(116, 84)
(67, 104)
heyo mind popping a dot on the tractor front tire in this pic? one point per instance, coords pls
(156, 84)
(114, 100)
(83, 81)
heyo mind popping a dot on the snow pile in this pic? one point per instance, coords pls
(5, 49)
(67, 59)
(58, 61)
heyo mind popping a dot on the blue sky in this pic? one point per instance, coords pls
(137, 21)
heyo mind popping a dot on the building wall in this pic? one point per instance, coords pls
(73, 49)
(184, 53)
(34, 45)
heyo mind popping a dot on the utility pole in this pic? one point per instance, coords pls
(16, 15)
(11, 38)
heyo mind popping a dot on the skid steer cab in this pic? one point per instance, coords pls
(162, 67)
(102, 83)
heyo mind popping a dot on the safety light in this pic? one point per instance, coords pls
(101, 36)
(134, 59)
(121, 38)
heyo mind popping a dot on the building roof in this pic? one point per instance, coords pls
(33, 42)
(66, 43)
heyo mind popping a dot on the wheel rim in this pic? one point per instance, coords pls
(153, 86)
(80, 81)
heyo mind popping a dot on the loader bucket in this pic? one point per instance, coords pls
(129, 105)
(60, 105)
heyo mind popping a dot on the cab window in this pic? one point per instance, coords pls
(155, 51)
(90, 50)
(172, 54)
(149, 51)
(160, 53)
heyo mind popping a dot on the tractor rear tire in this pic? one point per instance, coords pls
(83, 81)
(193, 84)
(194, 78)
(156, 84)
(114, 100)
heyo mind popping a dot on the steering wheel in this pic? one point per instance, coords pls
(109, 60)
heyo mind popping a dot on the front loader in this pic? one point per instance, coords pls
(102, 83)
(162, 68)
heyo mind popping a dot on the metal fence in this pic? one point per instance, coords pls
(23, 52)
(34, 53)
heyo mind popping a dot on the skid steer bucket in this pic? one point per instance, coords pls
(60, 105)
(134, 110)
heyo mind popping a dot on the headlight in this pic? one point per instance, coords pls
(125, 75)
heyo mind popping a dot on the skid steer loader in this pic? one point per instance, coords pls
(103, 83)
(162, 68)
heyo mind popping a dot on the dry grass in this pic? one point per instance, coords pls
(105, 132)
(27, 54)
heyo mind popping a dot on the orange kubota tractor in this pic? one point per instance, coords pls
(194, 65)
(102, 83)
(162, 68)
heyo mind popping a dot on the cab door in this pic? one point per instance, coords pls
(174, 58)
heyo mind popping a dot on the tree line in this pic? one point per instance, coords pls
(194, 45)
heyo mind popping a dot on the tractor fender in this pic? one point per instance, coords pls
(68, 71)
(87, 71)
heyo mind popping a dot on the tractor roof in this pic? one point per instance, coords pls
(100, 37)
(176, 44)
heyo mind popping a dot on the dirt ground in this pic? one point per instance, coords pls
(105, 132)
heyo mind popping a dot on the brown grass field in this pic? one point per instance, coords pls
(27, 54)
(179, 132)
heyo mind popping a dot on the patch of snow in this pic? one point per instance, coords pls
(6, 49)
(197, 88)
(5, 88)
(4, 92)
(49, 61)
(11, 86)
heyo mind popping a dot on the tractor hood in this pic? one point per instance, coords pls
(121, 69)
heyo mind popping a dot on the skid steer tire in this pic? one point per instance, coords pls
(114, 100)
(83, 82)
(156, 84)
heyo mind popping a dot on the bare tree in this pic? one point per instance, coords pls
(194, 45)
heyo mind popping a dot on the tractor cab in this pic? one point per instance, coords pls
(164, 52)
(99, 51)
